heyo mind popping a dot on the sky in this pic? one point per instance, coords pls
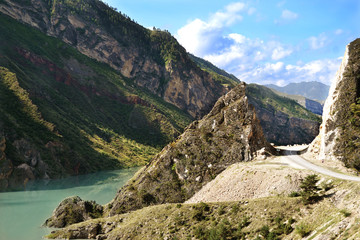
(259, 41)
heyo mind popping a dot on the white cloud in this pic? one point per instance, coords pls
(289, 15)
(235, 7)
(253, 59)
(320, 70)
(243, 50)
(338, 31)
(199, 36)
(318, 42)
(279, 53)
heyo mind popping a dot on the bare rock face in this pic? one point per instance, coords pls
(152, 59)
(339, 132)
(229, 133)
(282, 129)
(15, 176)
(73, 210)
(314, 106)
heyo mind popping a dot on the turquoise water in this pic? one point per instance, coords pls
(22, 213)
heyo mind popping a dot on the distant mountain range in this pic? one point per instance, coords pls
(312, 90)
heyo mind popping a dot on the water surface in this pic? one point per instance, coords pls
(22, 213)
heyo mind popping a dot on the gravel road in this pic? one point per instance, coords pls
(294, 158)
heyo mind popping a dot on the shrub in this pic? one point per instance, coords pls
(309, 189)
(345, 212)
(294, 194)
(303, 229)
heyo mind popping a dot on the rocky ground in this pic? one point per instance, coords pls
(243, 201)
(249, 181)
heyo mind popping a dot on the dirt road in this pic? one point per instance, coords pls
(295, 159)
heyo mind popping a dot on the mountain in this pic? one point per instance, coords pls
(339, 137)
(218, 74)
(283, 120)
(249, 200)
(151, 59)
(312, 90)
(312, 105)
(92, 90)
(229, 133)
(63, 113)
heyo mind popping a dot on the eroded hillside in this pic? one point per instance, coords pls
(152, 59)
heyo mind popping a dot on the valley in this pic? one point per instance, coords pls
(113, 130)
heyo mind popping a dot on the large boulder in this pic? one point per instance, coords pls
(73, 210)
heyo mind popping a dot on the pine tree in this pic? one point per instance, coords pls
(309, 189)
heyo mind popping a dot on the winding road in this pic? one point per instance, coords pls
(293, 157)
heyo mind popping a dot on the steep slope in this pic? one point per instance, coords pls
(219, 75)
(63, 113)
(311, 105)
(283, 120)
(340, 131)
(151, 59)
(229, 133)
(312, 90)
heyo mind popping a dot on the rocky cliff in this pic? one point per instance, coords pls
(314, 106)
(63, 113)
(152, 59)
(340, 131)
(283, 120)
(229, 133)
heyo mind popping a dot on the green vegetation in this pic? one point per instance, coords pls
(309, 189)
(303, 229)
(230, 220)
(345, 212)
(217, 74)
(79, 114)
(269, 100)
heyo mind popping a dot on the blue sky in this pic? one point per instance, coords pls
(259, 41)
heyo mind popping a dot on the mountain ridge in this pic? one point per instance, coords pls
(312, 90)
(74, 114)
(153, 59)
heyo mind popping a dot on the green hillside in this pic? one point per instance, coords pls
(78, 114)
(267, 99)
(218, 74)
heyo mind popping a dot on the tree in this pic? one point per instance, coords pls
(309, 189)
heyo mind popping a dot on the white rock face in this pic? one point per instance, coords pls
(328, 131)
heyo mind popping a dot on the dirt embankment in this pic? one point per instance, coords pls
(249, 181)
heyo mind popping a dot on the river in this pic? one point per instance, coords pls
(22, 213)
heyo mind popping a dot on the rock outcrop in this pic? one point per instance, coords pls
(73, 210)
(314, 106)
(229, 133)
(283, 120)
(152, 59)
(339, 137)
(282, 129)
